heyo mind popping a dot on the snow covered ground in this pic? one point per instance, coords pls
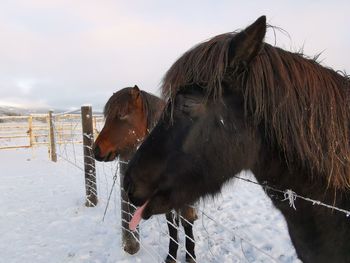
(43, 219)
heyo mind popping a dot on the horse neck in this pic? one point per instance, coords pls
(318, 233)
(153, 107)
(272, 169)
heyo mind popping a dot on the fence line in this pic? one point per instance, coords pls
(156, 256)
(70, 149)
(204, 214)
(34, 130)
(291, 196)
(77, 110)
(235, 234)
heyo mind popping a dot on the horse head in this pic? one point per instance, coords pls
(125, 125)
(202, 139)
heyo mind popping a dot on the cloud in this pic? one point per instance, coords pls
(26, 86)
(68, 53)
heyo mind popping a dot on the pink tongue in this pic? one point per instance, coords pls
(135, 220)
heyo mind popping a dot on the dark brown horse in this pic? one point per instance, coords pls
(130, 114)
(234, 103)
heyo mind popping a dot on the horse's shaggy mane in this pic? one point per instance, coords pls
(303, 106)
(153, 107)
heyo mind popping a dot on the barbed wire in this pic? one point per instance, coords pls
(109, 197)
(235, 234)
(291, 196)
(133, 234)
(67, 112)
(175, 241)
(68, 151)
(288, 194)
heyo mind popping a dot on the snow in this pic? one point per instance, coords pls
(43, 218)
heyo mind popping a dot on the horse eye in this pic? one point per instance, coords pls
(186, 108)
(123, 117)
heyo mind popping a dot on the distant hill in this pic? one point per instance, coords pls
(19, 111)
(11, 111)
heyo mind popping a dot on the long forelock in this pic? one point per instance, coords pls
(116, 103)
(204, 65)
(153, 107)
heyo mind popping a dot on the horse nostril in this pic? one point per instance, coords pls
(108, 157)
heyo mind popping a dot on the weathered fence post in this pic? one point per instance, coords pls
(52, 145)
(130, 241)
(30, 130)
(96, 132)
(89, 161)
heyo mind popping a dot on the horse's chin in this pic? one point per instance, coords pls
(146, 214)
(156, 205)
(145, 211)
(137, 201)
(112, 156)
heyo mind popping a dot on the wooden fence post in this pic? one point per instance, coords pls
(96, 133)
(30, 130)
(52, 145)
(130, 241)
(89, 161)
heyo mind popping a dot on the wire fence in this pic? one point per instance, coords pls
(23, 131)
(223, 240)
(33, 130)
(230, 228)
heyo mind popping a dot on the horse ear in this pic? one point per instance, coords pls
(248, 43)
(135, 92)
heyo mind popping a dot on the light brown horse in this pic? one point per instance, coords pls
(129, 116)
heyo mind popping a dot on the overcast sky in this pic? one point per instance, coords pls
(65, 53)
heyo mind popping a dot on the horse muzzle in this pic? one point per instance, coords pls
(106, 158)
